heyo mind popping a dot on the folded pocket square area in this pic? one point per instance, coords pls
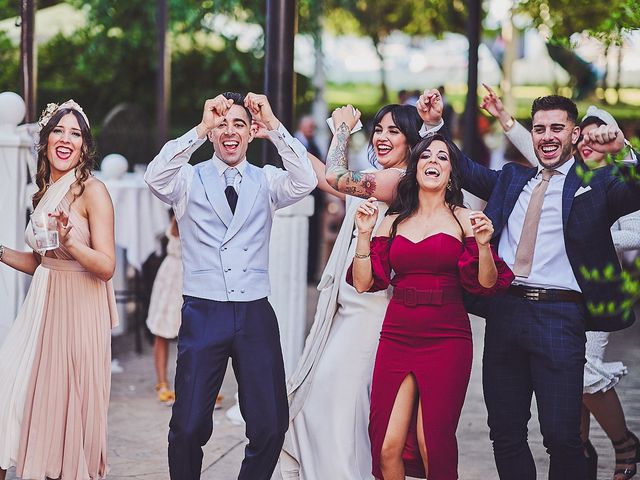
(582, 190)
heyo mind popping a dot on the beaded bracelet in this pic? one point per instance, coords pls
(359, 255)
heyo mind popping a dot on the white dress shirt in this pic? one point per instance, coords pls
(551, 267)
(170, 175)
(425, 129)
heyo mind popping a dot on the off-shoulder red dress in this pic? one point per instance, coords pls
(426, 333)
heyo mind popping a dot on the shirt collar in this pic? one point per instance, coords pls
(221, 166)
(563, 169)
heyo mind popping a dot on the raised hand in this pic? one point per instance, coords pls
(259, 106)
(605, 139)
(367, 215)
(482, 228)
(213, 114)
(493, 104)
(430, 106)
(64, 227)
(349, 115)
(259, 129)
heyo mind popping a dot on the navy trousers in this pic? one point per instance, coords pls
(535, 347)
(211, 332)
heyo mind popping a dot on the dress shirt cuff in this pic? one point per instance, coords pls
(189, 141)
(424, 131)
(281, 138)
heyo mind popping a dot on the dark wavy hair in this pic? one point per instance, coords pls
(87, 154)
(405, 117)
(556, 102)
(406, 201)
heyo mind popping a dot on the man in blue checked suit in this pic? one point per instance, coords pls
(548, 224)
(225, 208)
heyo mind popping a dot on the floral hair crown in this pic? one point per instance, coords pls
(52, 108)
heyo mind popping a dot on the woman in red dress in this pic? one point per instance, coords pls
(429, 248)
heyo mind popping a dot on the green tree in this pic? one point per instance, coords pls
(604, 20)
(378, 19)
(10, 61)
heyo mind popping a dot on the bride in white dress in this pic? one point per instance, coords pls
(329, 391)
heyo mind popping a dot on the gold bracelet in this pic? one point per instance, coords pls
(359, 255)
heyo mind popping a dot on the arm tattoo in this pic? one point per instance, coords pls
(337, 156)
(358, 184)
(364, 184)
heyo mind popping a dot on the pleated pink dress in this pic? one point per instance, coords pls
(55, 421)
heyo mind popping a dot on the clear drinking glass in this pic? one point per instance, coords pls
(45, 229)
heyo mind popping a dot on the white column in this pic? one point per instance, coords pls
(288, 275)
(13, 181)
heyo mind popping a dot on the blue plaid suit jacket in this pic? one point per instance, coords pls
(587, 221)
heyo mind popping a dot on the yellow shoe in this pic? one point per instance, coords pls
(165, 395)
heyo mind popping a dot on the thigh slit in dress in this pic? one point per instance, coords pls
(426, 332)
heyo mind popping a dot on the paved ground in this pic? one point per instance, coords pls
(138, 424)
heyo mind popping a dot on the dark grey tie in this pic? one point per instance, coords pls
(230, 191)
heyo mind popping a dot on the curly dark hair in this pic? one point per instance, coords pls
(406, 201)
(556, 102)
(405, 117)
(87, 154)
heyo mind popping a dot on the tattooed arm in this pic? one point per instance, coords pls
(381, 184)
(319, 168)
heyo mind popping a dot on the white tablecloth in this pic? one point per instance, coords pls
(140, 217)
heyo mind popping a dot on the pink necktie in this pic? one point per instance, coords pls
(527, 243)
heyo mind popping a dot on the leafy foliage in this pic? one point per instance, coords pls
(10, 61)
(630, 279)
(604, 20)
(112, 60)
(378, 19)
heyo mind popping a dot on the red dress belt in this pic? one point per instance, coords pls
(412, 297)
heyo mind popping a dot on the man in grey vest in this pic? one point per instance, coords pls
(225, 208)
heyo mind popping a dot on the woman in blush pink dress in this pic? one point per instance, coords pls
(55, 363)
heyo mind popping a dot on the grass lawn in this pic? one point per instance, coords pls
(366, 97)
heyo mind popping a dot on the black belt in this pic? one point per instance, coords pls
(545, 294)
(412, 297)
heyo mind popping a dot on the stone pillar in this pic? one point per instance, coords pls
(13, 183)
(288, 276)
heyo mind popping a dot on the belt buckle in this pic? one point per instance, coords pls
(532, 295)
(410, 297)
